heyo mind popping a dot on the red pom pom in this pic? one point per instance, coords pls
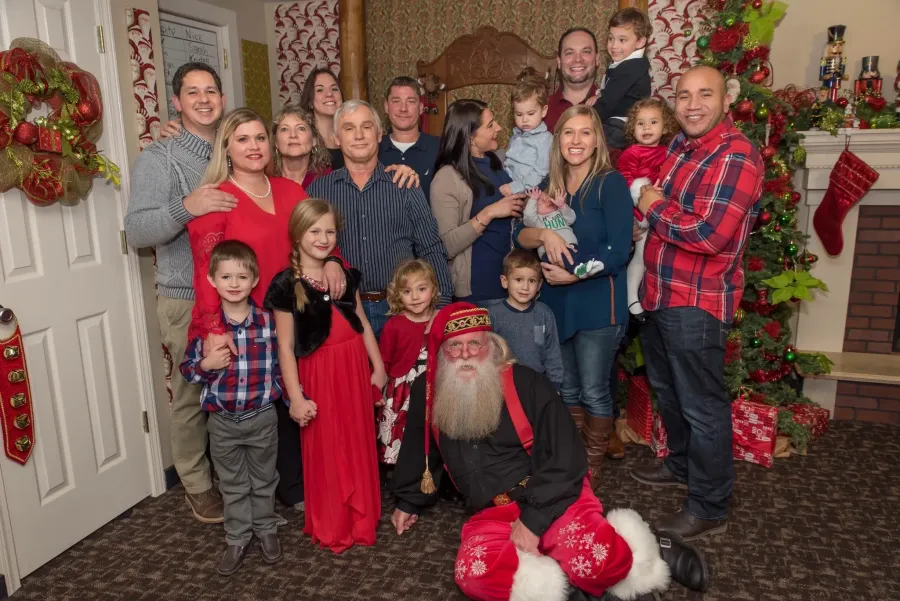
(724, 40)
(876, 103)
(773, 329)
(26, 133)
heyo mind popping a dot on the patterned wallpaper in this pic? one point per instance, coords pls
(676, 27)
(401, 32)
(307, 37)
(143, 76)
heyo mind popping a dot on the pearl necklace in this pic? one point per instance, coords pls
(249, 193)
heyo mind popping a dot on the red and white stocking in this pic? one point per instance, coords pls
(850, 179)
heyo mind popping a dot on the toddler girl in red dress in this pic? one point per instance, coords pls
(412, 299)
(651, 124)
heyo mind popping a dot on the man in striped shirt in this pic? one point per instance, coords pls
(700, 219)
(384, 224)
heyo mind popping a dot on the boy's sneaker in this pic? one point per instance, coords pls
(584, 270)
(207, 506)
(232, 559)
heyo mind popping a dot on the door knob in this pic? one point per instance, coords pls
(6, 315)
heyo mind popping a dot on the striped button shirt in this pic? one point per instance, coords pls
(695, 248)
(252, 381)
(383, 225)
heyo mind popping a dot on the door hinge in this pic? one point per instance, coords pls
(123, 241)
(101, 44)
(145, 421)
(225, 56)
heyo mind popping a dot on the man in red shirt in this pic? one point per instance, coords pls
(577, 61)
(700, 218)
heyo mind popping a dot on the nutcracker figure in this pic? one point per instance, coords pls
(833, 67)
(869, 82)
(897, 90)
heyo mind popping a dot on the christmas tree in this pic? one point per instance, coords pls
(761, 364)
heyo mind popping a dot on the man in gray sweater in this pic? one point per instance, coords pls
(165, 196)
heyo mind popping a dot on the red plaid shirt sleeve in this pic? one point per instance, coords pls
(698, 232)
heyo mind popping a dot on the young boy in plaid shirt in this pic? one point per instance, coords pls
(238, 393)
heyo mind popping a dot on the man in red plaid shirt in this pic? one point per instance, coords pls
(700, 218)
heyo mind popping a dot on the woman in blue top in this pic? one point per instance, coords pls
(474, 219)
(591, 314)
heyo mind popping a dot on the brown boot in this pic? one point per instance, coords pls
(207, 507)
(577, 414)
(596, 441)
(616, 449)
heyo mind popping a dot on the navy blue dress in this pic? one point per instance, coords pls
(494, 243)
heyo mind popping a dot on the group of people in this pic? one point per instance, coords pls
(338, 297)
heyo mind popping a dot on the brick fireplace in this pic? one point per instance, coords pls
(856, 322)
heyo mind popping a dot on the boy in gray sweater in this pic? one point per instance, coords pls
(528, 326)
(164, 197)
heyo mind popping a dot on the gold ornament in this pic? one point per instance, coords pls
(17, 401)
(23, 443)
(16, 376)
(11, 352)
(21, 422)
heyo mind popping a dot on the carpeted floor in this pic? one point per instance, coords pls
(818, 528)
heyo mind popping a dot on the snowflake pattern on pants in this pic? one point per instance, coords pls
(478, 568)
(581, 565)
(471, 558)
(460, 569)
(571, 534)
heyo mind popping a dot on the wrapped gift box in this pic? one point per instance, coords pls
(659, 438)
(812, 416)
(753, 432)
(49, 140)
(639, 409)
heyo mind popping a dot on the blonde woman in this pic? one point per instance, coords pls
(591, 314)
(241, 164)
(300, 151)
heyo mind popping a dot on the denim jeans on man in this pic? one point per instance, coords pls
(376, 313)
(684, 349)
(587, 361)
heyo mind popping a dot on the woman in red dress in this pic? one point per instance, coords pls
(326, 343)
(241, 164)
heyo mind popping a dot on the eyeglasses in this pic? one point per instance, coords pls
(473, 347)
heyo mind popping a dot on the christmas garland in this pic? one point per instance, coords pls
(54, 157)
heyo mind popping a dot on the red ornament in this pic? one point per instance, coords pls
(26, 133)
(744, 107)
(757, 4)
(87, 111)
(756, 264)
(724, 40)
(757, 77)
(777, 228)
(765, 217)
(842, 102)
(766, 71)
(768, 153)
(773, 329)
(795, 197)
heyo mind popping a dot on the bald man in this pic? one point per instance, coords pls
(700, 217)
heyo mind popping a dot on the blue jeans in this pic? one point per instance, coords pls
(587, 361)
(684, 348)
(376, 313)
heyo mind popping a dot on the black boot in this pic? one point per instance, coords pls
(686, 563)
(579, 595)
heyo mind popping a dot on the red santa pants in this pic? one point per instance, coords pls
(587, 549)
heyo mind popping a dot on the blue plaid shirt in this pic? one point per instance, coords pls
(253, 380)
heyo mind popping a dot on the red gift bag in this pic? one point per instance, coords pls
(753, 432)
(639, 409)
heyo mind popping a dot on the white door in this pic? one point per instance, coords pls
(63, 274)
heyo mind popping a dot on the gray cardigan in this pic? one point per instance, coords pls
(451, 204)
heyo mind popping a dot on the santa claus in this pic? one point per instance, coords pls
(502, 434)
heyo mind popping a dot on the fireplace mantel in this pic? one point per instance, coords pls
(821, 324)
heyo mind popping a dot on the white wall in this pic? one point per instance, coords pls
(800, 40)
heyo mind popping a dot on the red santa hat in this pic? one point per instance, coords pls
(451, 321)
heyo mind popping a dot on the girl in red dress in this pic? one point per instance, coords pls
(651, 124)
(412, 298)
(331, 343)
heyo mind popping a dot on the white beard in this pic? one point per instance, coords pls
(467, 409)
